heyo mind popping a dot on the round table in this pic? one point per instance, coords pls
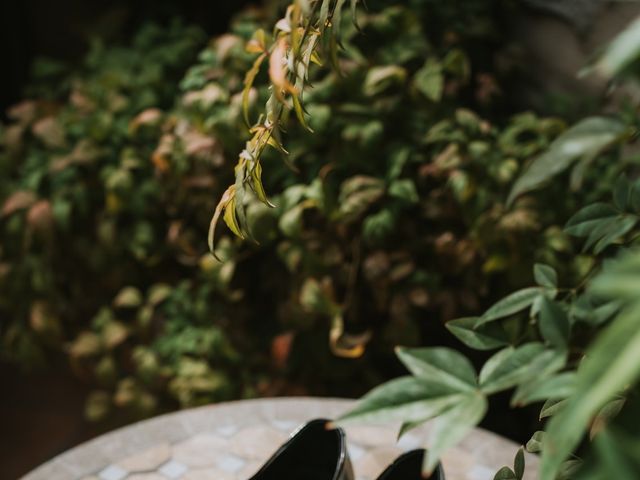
(229, 441)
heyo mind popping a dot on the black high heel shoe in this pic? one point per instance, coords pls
(314, 452)
(408, 466)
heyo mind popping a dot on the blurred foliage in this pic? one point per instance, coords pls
(571, 345)
(390, 216)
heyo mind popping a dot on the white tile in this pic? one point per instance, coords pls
(479, 472)
(112, 472)
(409, 441)
(172, 469)
(284, 425)
(355, 451)
(231, 464)
(227, 431)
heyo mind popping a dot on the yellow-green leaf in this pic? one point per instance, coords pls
(248, 83)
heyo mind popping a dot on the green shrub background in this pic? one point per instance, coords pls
(390, 220)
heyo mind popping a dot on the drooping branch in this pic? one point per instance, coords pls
(296, 44)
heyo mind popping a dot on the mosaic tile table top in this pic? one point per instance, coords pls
(230, 441)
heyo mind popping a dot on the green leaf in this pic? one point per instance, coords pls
(404, 189)
(513, 303)
(634, 197)
(545, 275)
(587, 219)
(354, 13)
(610, 364)
(622, 192)
(600, 231)
(324, 14)
(488, 337)
(380, 78)
(616, 230)
(440, 365)
(453, 425)
(429, 80)
(612, 459)
(587, 138)
(256, 185)
(534, 445)
(231, 219)
(405, 399)
(297, 106)
(512, 366)
(505, 473)
(551, 407)
(556, 387)
(624, 49)
(408, 426)
(249, 78)
(554, 324)
(569, 469)
(621, 280)
(519, 464)
(336, 21)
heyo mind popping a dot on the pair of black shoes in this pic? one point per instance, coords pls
(317, 451)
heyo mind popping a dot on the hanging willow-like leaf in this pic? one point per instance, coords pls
(296, 44)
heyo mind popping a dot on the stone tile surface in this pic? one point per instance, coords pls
(148, 459)
(231, 441)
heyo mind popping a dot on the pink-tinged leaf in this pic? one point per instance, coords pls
(278, 71)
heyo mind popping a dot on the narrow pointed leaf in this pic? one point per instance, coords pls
(249, 78)
(487, 337)
(440, 365)
(611, 363)
(512, 366)
(406, 399)
(554, 324)
(545, 275)
(588, 137)
(452, 426)
(513, 303)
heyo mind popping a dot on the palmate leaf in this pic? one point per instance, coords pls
(555, 387)
(405, 399)
(440, 365)
(453, 425)
(487, 337)
(513, 303)
(588, 137)
(443, 386)
(512, 366)
(611, 364)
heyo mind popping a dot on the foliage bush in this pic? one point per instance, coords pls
(394, 216)
(574, 347)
